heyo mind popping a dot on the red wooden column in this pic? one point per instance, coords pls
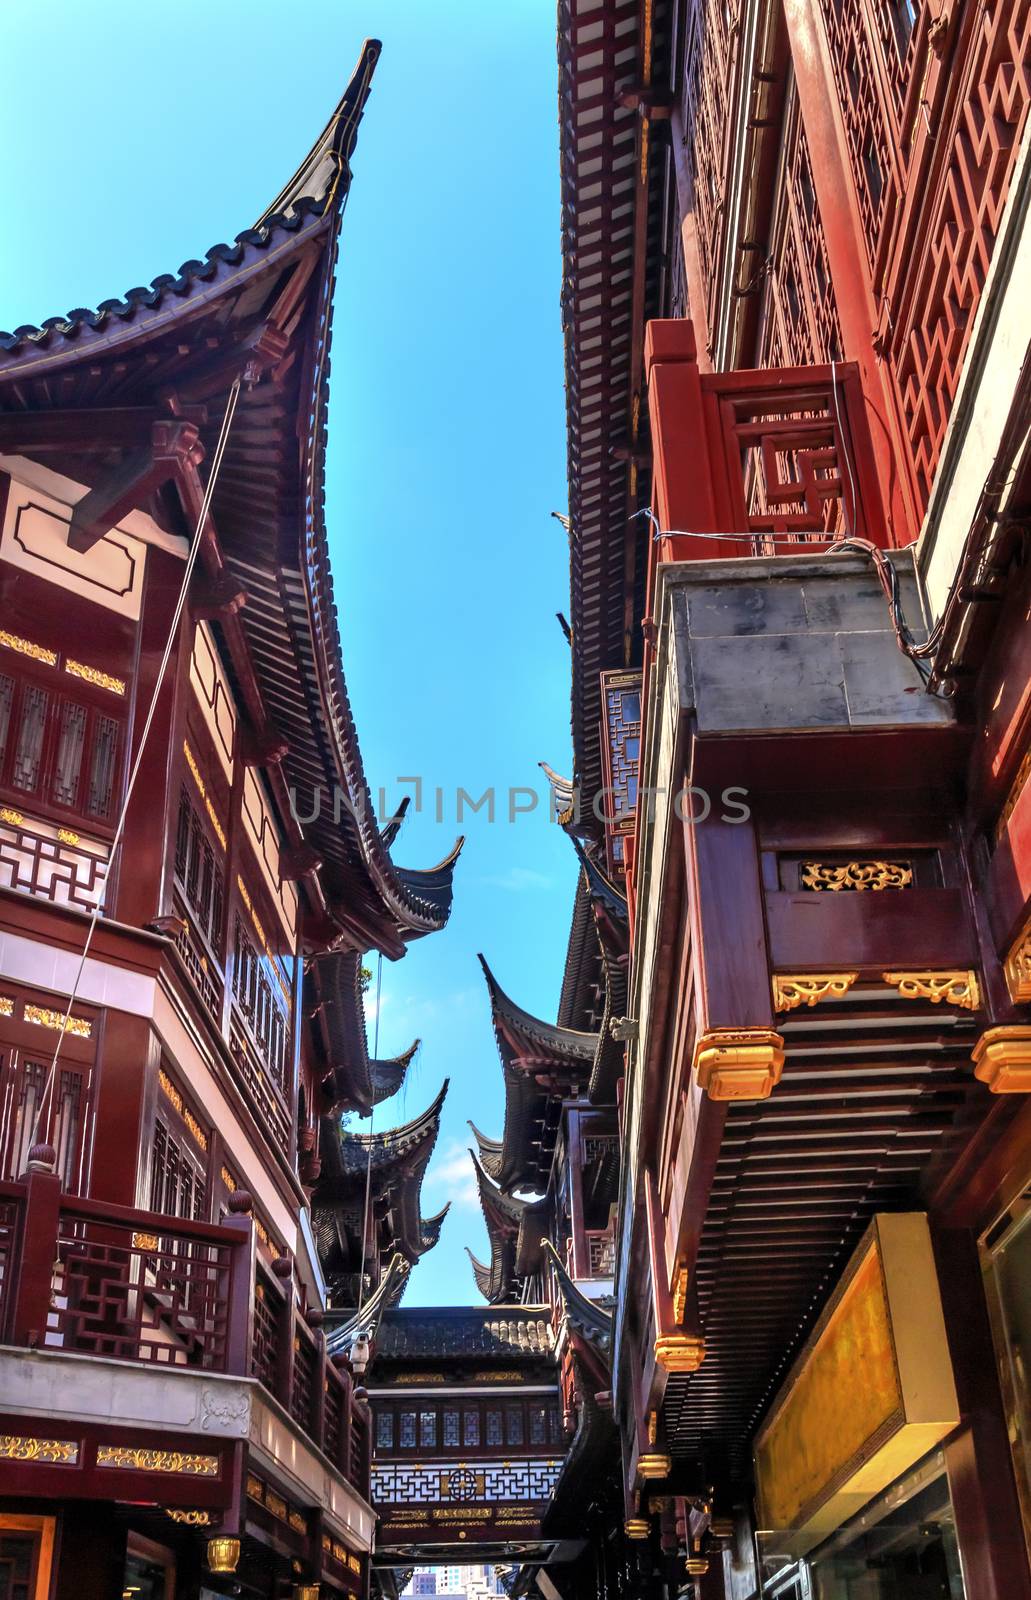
(128, 1055)
(846, 252)
(684, 492)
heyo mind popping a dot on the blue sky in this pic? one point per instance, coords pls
(135, 140)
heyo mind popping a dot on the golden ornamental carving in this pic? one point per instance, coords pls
(14, 819)
(44, 1018)
(57, 1452)
(191, 1519)
(255, 1488)
(679, 1352)
(739, 1063)
(6, 1006)
(654, 1464)
(202, 790)
(66, 836)
(182, 1463)
(195, 1128)
(25, 647)
(93, 675)
(696, 1566)
(680, 1283)
(1017, 966)
(169, 1090)
(637, 1527)
(228, 1179)
(857, 876)
(1002, 1059)
(809, 988)
(146, 1241)
(958, 988)
(1016, 790)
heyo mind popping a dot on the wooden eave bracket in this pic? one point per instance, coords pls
(175, 448)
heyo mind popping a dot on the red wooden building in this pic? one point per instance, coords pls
(795, 247)
(189, 850)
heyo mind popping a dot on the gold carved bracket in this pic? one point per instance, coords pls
(739, 1063)
(809, 988)
(1002, 1059)
(957, 988)
(679, 1352)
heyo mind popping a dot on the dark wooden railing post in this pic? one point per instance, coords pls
(286, 1334)
(346, 1420)
(240, 1329)
(318, 1381)
(36, 1252)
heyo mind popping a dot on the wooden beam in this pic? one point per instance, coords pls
(172, 445)
(93, 430)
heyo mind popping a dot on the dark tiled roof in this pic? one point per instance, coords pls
(504, 1332)
(351, 1081)
(269, 503)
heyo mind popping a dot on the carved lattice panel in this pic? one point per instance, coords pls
(485, 1482)
(58, 864)
(872, 45)
(712, 29)
(957, 238)
(139, 1296)
(800, 324)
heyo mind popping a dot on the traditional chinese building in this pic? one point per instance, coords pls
(191, 872)
(797, 380)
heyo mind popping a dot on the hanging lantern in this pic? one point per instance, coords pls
(223, 1554)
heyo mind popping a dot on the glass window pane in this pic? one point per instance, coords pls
(494, 1433)
(6, 699)
(538, 1425)
(450, 1430)
(471, 1434)
(29, 751)
(408, 1430)
(385, 1430)
(428, 1429)
(514, 1424)
(71, 734)
(102, 768)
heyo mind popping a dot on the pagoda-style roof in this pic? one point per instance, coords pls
(393, 1164)
(594, 985)
(503, 1333)
(351, 1080)
(543, 1065)
(85, 391)
(614, 200)
(514, 1228)
(589, 1318)
(366, 1319)
(490, 1152)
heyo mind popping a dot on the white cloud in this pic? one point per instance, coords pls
(518, 879)
(451, 1177)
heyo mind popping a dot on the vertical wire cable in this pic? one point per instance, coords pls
(98, 909)
(372, 1115)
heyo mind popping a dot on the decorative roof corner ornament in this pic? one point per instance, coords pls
(624, 1029)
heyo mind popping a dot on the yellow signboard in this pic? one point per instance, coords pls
(870, 1394)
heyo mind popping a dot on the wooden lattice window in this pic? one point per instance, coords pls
(59, 750)
(178, 1161)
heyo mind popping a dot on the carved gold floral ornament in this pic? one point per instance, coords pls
(855, 875)
(738, 1063)
(809, 988)
(958, 988)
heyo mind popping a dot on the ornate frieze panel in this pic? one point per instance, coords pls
(809, 988)
(955, 988)
(58, 864)
(482, 1482)
(859, 876)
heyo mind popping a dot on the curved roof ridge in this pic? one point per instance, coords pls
(563, 1041)
(509, 1206)
(407, 1133)
(326, 168)
(586, 1315)
(599, 884)
(367, 1317)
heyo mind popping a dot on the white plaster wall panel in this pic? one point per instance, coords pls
(94, 1389)
(35, 538)
(264, 836)
(211, 687)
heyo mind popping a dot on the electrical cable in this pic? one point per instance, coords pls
(372, 1114)
(98, 909)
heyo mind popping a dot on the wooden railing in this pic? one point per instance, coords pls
(90, 1279)
(777, 461)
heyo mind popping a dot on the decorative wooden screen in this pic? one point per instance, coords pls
(199, 899)
(59, 750)
(940, 260)
(621, 755)
(709, 58)
(63, 1121)
(799, 325)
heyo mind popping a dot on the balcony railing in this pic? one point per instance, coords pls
(90, 1279)
(777, 461)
